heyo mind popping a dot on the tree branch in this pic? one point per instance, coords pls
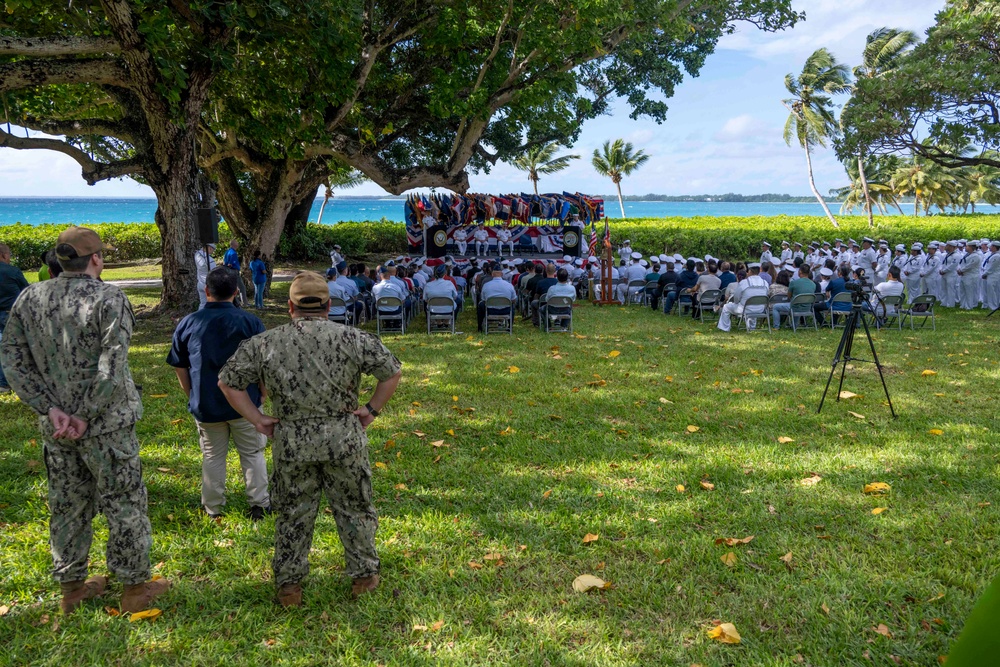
(47, 47)
(77, 128)
(30, 73)
(93, 171)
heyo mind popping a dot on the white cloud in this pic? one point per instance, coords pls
(741, 128)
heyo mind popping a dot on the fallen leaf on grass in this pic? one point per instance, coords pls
(494, 556)
(733, 541)
(826, 610)
(725, 633)
(507, 431)
(547, 493)
(928, 373)
(680, 488)
(936, 431)
(513, 369)
(400, 487)
(4, 610)
(877, 488)
(855, 415)
(811, 481)
(175, 422)
(439, 443)
(111, 611)
(437, 625)
(379, 464)
(451, 432)
(437, 458)
(613, 353)
(590, 537)
(692, 428)
(419, 628)
(883, 630)
(708, 486)
(164, 469)
(936, 597)
(848, 394)
(787, 558)
(157, 395)
(664, 400)
(475, 566)
(419, 434)
(785, 440)
(588, 582)
(146, 614)
(729, 559)
(879, 510)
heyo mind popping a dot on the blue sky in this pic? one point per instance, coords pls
(722, 134)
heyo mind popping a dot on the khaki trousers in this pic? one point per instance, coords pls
(213, 437)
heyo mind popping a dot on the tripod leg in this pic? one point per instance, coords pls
(836, 360)
(878, 367)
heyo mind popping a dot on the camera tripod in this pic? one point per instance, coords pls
(843, 355)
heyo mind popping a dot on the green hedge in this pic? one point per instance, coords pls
(729, 237)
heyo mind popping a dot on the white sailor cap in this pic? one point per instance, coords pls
(653, 259)
(798, 243)
(518, 262)
(578, 261)
(825, 272)
(868, 239)
(900, 246)
(567, 258)
(984, 242)
(678, 257)
(917, 246)
(627, 242)
(839, 240)
(592, 259)
(826, 243)
(962, 242)
(708, 258)
(855, 244)
(995, 244)
(643, 263)
(784, 243)
(933, 244)
(754, 265)
(952, 243)
(694, 259)
(666, 258)
(883, 244)
(636, 255)
(765, 243)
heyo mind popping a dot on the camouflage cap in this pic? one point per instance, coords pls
(82, 240)
(309, 291)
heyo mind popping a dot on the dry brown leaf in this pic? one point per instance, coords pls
(437, 458)
(847, 394)
(733, 541)
(475, 566)
(588, 582)
(725, 633)
(787, 558)
(400, 487)
(692, 428)
(855, 415)
(513, 369)
(146, 614)
(785, 440)
(419, 434)
(883, 630)
(877, 488)
(590, 537)
(547, 493)
(708, 486)
(928, 373)
(164, 469)
(451, 432)
(613, 353)
(111, 611)
(379, 464)
(493, 556)
(879, 510)
(437, 625)
(176, 422)
(811, 481)
(4, 610)
(826, 610)
(419, 628)
(507, 431)
(439, 443)
(729, 559)
(663, 400)
(157, 395)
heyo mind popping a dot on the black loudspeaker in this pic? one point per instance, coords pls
(208, 225)
(437, 241)
(571, 241)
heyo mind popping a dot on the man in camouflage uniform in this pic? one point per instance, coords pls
(65, 349)
(312, 370)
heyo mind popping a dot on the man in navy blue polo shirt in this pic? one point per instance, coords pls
(202, 344)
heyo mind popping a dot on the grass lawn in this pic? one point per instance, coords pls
(547, 439)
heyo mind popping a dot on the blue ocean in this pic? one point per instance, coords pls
(82, 210)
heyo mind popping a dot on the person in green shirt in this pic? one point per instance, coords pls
(803, 284)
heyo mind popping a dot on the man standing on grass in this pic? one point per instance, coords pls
(12, 281)
(202, 344)
(66, 352)
(312, 370)
(231, 260)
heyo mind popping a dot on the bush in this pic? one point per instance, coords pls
(729, 237)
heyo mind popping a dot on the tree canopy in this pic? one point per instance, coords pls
(945, 93)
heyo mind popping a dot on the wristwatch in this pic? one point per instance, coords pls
(372, 411)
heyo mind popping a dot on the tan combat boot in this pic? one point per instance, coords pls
(75, 592)
(290, 595)
(363, 585)
(137, 597)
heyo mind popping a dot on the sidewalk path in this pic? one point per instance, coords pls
(157, 283)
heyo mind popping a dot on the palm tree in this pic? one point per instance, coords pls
(341, 179)
(983, 184)
(810, 118)
(616, 161)
(876, 191)
(929, 183)
(542, 160)
(884, 48)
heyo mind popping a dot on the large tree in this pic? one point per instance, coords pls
(123, 82)
(946, 93)
(810, 109)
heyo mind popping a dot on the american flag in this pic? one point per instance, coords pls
(593, 237)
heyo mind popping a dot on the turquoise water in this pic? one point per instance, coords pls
(79, 210)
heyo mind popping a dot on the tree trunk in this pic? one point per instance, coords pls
(621, 204)
(535, 181)
(177, 200)
(868, 196)
(812, 184)
(326, 197)
(298, 215)
(916, 204)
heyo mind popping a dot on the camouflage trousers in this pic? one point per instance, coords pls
(90, 475)
(297, 487)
